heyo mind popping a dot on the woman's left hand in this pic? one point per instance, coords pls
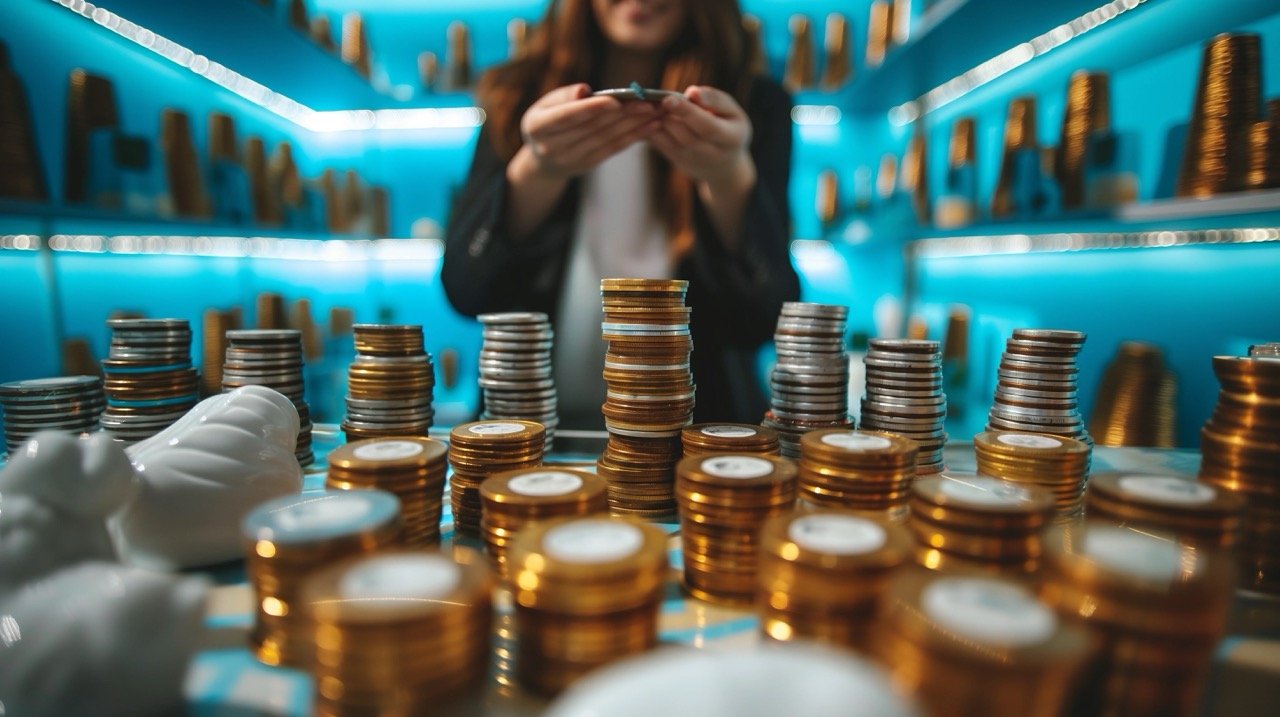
(707, 135)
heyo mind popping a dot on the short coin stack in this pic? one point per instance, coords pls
(1056, 463)
(810, 381)
(1036, 389)
(587, 592)
(823, 574)
(514, 499)
(404, 633)
(857, 470)
(904, 396)
(390, 384)
(412, 469)
(724, 498)
(1198, 513)
(271, 358)
(515, 369)
(967, 521)
(705, 438)
(481, 449)
(288, 538)
(67, 403)
(649, 391)
(149, 379)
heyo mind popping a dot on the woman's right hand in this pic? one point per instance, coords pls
(567, 132)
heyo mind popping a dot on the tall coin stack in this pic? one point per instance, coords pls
(823, 575)
(514, 499)
(724, 497)
(1036, 387)
(704, 438)
(390, 384)
(1197, 513)
(412, 469)
(904, 396)
(587, 592)
(149, 379)
(649, 391)
(1228, 103)
(1240, 451)
(1088, 113)
(480, 449)
(271, 358)
(810, 381)
(1136, 400)
(404, 633)
(1057, 464)
(288, 538)
(863, 471)
(515, 369)
(66, 403)
(979, 523)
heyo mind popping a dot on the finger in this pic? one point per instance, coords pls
(572, 115)
(568, 93)
(718, 102)
(680, 131)
(699, 121)
(662, 141)
(585, 145)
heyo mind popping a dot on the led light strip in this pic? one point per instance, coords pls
(953, 247)
(340, 250)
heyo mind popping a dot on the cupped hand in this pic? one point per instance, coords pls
(706, 134)
(567, 132)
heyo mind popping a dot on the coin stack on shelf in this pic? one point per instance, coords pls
(149, 379)
(65, 403)
(412, 469)
(1036, 391)
(649, 392)
(515, 369)
(587, 593)
(823, 574)
(1088, 114)
(216, 325)
(978, 645)
(810, 381)
(481, 449)
(1240, 451)
(1136, 400)
(864, 471)
(724, 498)
(1227, 104)
(1197, 513)
(271, 358)
(1159, 608)
(514, 499)
(904, 396)
(287, 539)
(390, 383)
(966, 521)
(1055, 463)
(405, 633)
(703, 438)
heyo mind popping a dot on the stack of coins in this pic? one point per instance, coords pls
(514, 499)
(515, 369)
(1088, 113)
(857, 470)
(67, 403)
(149, 379)
(904, 396)
(216, 325)
(965, 521)
(1228, 102)
(1057, 464)
(1197, 513)
(287, 539)
(481, 449)
(978, 645)
(649, 391)
(1240, 451)
(1158, 606)
(390, 384)
(271, 358)
(728, 438)
(401, 633)
(587, 592)
(724, 497)
(1136, 400)
(823, 574)
(810, 381)
(1036, 390)
(413, 469)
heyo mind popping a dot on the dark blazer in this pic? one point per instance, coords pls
(735, 295)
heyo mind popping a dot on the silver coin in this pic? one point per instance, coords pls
(1054, 335)
(905, 345)
(807, 308)
(512, 317)
(263, 335)
(148, 324)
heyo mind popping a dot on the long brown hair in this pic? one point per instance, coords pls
(568, 46)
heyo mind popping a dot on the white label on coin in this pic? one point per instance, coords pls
(592, 541)
(388, 451)
(545, 483)
(495, 429)
(1024, 440)
(737, 467)
(837, 534)
(982, 490)
(1168, 489)
(857, 441)
(1134, 553)
(988, 611)
(428, 577)
(728, 431)
(332, 510)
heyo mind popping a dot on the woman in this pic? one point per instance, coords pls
(566, 188)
